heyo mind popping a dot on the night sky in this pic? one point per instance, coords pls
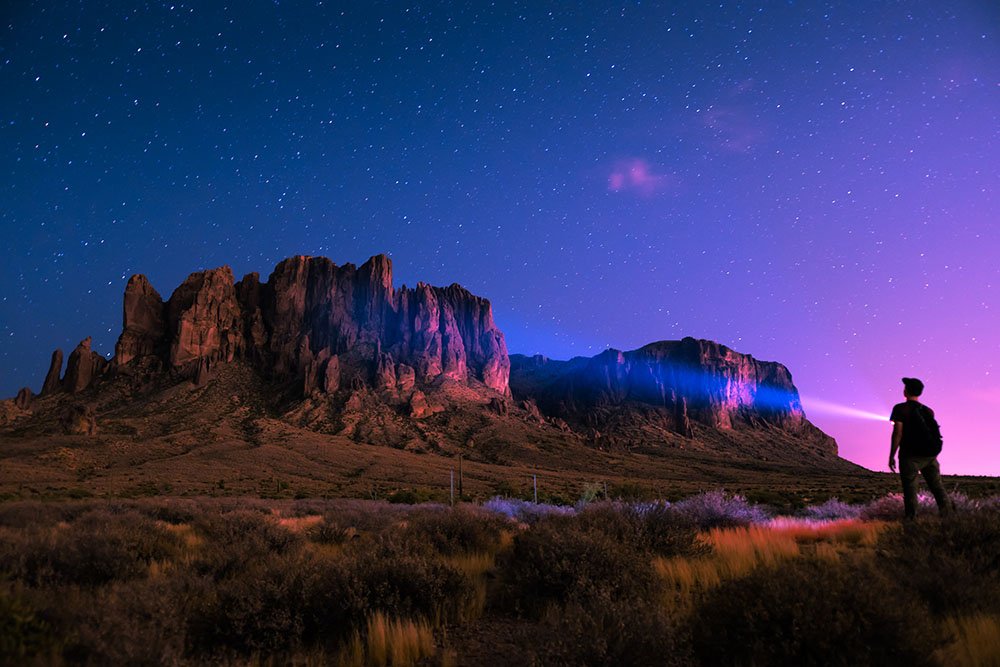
(812, 183)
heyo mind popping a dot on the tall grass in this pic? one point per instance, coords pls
(388, 641)
(976, 641)
(735, 552)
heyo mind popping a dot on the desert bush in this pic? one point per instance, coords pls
(24, 634)
(953, 563)
(524, 510)
(138, 622)
(558, 562)
(831, 510)
(648, 527)
(96, 549)
(890, 507)
(236, 539)
(259, 609)
(401, 578)
(612, 633)
(459, 530)
(714, 509)
(329, 531)
(806, 612)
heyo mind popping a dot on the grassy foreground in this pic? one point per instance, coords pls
(712, 580)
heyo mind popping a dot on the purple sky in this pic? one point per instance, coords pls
(809, 183)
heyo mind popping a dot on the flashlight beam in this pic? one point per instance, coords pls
(830, 408)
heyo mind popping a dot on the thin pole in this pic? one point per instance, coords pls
(461, 493)
(534, 483)
(452, 487)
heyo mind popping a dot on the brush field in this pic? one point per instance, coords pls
(709, 580)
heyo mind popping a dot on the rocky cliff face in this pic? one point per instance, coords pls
(322, 325)
(682, 384)
(339, 349)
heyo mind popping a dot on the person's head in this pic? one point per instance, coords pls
(912, 387)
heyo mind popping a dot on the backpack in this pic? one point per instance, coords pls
(925, 440)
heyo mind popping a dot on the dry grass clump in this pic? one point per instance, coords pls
(735, 552)
(388, 641)
(975, 641)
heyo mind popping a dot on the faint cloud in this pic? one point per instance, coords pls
(733, 129)
(731, 122)
(636, 176)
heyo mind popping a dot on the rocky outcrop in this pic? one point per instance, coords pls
(143, 322)
(204, 319)
(83, 368)
(52, 382)
(79, 419)
(325, 326)
(25, 397)
(683, 383)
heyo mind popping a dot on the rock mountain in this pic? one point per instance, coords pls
(340, 350)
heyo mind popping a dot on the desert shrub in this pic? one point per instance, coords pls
(402, 578)
(717, 509)
(329, 531)
(807, 612)
(32, 513)
(831, 510)
(525, 511)
(613, 633)
(558, 562)
(260, 609)
(24, 634)
(653, 527)
(171, 510)
(460, 530)
(953, 563)
(98, 548)
(236, 539)
(138, 622)
(365, 516)
(890, 507)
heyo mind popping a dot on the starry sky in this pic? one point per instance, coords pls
(813, 183)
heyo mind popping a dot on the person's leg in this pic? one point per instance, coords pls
(908, 474)
(932, 475)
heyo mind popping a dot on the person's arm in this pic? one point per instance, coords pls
(897, 437)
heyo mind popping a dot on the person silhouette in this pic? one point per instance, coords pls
(913, 427)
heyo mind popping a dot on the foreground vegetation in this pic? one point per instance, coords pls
(710, 580)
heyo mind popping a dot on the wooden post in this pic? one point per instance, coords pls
(534, 483)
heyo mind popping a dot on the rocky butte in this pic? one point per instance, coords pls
(339, 349)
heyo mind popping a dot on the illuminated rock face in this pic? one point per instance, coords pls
(328, 326)
(685, 382)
